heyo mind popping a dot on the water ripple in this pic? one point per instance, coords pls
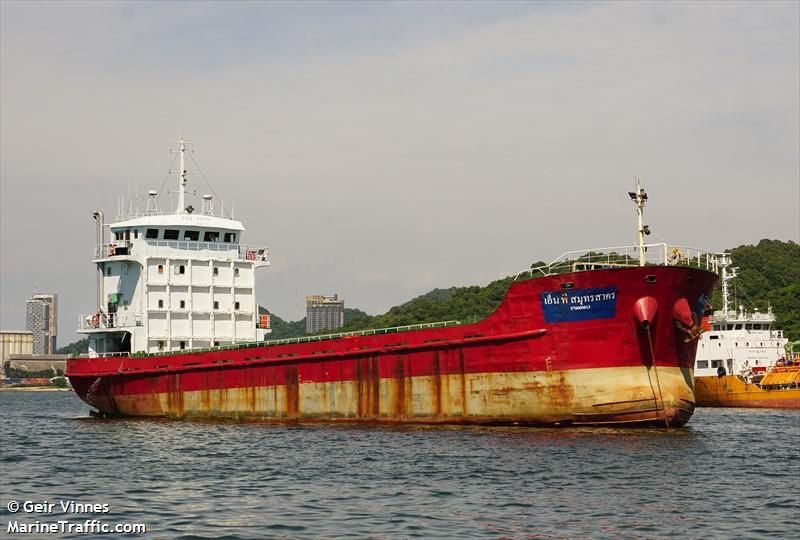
(203, 480)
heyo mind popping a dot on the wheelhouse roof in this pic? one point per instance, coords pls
(203, 221)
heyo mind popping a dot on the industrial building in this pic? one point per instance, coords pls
(14, 342)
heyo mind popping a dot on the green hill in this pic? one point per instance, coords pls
(769, 274)
(81, 346)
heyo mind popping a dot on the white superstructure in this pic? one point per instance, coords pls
(739, 342)
(174, 281)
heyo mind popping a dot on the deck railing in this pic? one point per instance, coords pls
(625, 256)
(242, 252)
(95, 321)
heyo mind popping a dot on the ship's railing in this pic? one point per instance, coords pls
(243, 252)
(102, 321)
(295, 340)
(105, 355)
(625, 256)
(378, 331)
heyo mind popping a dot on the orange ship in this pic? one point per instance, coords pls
(779, 388)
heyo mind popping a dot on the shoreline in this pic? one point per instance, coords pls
(34, 389)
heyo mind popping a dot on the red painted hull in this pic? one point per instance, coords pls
(528, 363)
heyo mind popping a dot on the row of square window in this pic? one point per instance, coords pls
(175, 234)
(183, 304)
(181, 269)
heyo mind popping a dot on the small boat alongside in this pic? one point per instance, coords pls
(741, 360)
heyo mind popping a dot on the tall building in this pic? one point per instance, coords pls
(323, 313)
(41, 320)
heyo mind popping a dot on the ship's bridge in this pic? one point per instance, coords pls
(163, 234)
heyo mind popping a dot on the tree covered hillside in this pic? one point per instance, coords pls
(769, 274)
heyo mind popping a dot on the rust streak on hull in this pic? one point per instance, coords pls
(578, 397)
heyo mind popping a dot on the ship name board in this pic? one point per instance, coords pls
(579, 304)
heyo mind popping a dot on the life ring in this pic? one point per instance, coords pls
(674, 256)
(95, 321)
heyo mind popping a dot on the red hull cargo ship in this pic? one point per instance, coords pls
(595, 338)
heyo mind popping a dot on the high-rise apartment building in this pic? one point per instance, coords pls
(323, 313)
(41, 320)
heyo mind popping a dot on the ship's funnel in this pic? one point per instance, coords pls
(645, 310)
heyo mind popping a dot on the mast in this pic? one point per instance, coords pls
(724, 262)
(640, 198)
(182, 178)
(101, 250)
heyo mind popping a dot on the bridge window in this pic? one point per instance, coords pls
(211, 236)
(738, 327)
(229, 237)
(151, 233)
(702, 364)
(193, 236)
(171, 234)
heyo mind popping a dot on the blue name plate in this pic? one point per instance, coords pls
(579, 304)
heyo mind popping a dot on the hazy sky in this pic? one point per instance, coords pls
(383, 149)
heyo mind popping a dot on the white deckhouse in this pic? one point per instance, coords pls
(174, 281)
(739, 343)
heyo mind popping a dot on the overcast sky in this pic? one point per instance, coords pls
(384, 149)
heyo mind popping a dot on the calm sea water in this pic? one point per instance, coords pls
(730, 474)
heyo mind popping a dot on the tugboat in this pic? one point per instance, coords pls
(597, 337)
(741, 361)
